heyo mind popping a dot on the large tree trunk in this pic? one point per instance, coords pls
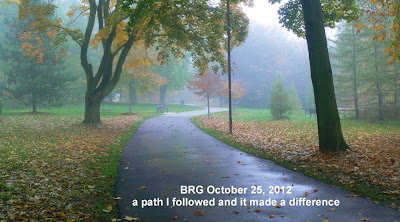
(163, 93)
(355, 84)
(92, 108)
(329, 128)
(101, 83)
(380, 104)
(132, 95)
(34, 102)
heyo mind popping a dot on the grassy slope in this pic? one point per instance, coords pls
(298, 119)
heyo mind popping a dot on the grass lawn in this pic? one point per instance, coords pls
(371, 168)
(55, 168)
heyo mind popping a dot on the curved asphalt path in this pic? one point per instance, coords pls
(169, 151)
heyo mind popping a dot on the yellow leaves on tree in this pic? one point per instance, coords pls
(382, 11)
(238, 90)
(149, 81)
(120, 39)
(138, 70)
(37, 20)
(114, 21)
(33, 46)
(51, 34)
(359, 27)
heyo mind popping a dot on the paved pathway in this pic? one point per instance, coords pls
(169, 151)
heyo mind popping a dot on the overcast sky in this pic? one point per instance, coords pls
(267, 14)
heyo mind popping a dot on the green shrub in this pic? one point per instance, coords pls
(280, 104)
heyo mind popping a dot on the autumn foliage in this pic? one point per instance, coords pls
(381, 12)
(373, 161)
(49, 166)
(139, 70)
(206, 85)
(238, 90)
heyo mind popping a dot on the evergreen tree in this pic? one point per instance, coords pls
(364, 76)
(33, 65)
(280, 102)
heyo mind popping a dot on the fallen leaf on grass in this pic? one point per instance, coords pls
(395, 192)
(108, 209)
(374, 160)
(59, 176)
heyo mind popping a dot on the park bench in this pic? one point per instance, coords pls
(343, 111)
(310, 111)
(161, 108)
(347, 111)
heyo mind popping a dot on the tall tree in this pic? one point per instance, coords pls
(238, 91)
(307, 17)
(365, 67)
(178, 72)
(139, 76)
(280, 104)
(346, 51)
(355, 76)
(381, 11)
(329, 127)
(121, 23)
(34, 64)
(207, 85)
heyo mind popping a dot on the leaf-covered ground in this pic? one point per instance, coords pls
(372, 168)
(55, 168)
